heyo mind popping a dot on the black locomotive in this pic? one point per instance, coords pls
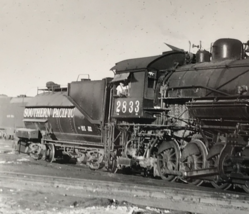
(178, 115)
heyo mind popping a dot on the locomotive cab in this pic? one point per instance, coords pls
(135, 83)
(134, 93)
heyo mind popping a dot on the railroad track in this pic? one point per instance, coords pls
(196, 201)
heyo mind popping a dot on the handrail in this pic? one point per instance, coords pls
(198, 86)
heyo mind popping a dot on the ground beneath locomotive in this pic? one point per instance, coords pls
(42, 200)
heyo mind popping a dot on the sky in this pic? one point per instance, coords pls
(56, 40)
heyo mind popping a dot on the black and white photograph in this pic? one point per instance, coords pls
(124, 107)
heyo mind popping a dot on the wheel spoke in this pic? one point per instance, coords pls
(168, 159)
(173, 165)
(172, 155)
(195, 161)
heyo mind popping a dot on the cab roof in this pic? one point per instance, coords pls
(158, 62)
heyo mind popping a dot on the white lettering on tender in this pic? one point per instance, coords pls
(49, 112)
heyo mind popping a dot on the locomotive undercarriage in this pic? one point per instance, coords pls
(188, 150)
(193, 162)
(51, 150)
(158, 150)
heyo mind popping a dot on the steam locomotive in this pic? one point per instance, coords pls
(182, 116)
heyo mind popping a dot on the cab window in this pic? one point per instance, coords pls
(151, 84)
(136, 87)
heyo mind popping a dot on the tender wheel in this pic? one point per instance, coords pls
(35, 151)
(50, 153)
(168, 159)
(95, 160)
(93, 165)
(194, 159)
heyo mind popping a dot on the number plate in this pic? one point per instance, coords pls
(128, 107)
